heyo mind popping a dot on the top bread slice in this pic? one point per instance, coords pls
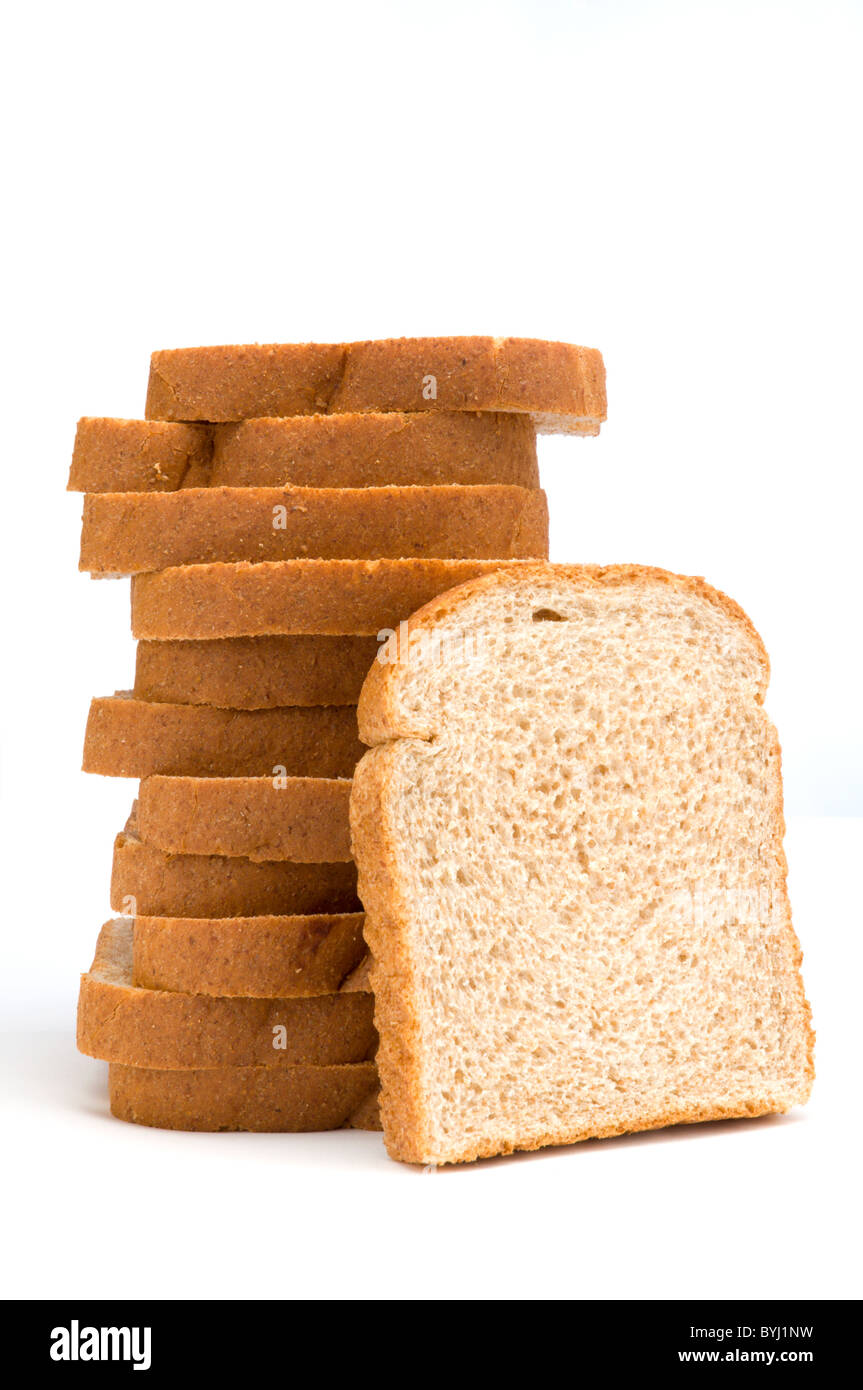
(561, 386)
(569, 846)
(420, 449)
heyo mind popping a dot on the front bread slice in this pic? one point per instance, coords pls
(569, 848)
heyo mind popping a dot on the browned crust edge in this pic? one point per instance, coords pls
(392, 973)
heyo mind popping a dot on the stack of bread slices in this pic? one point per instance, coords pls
(281, 510)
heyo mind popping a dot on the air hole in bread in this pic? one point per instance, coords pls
(547, 615)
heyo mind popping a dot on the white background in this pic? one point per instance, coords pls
(677, 184)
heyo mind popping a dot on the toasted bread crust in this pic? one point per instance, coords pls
(562, 386)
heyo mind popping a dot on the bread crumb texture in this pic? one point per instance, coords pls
(569, 847)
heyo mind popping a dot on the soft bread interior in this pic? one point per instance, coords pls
(571, 861)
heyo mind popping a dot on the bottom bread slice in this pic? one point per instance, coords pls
(267, 1099)
(155, 883)
(119, 1022)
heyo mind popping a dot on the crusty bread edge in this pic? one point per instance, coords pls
(386, 931)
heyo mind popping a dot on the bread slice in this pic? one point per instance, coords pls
(133, 532)
(285, 597)
(569, 844)
(119, 1022)
(138, 455)
(393, 450)
(287, 1100)
(147, 880)
(422, 449)
(255, 672)
(135, 738)
(300, 818)
(561, 386)
(266, 957)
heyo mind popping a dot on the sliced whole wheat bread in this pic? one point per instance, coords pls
(265, 957)
(138, 455)
(135, 532)
(259, 818)
(569, 845)
(333, 451)
(150, 881)
(255, 672)
(119, 1022)
(284, 597)
(126, 737)
(397, 449)
(272, 1100)
(560, 385)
